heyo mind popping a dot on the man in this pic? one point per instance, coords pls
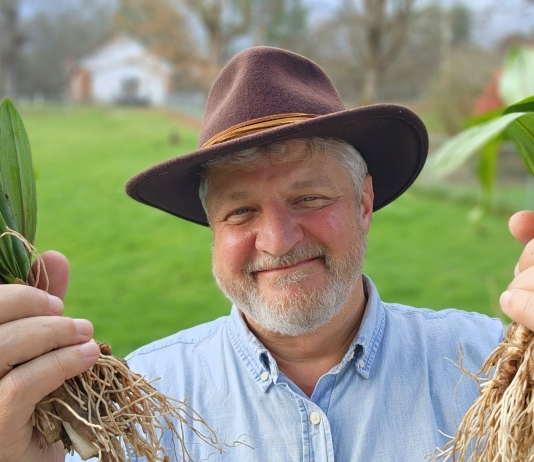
(310, 365)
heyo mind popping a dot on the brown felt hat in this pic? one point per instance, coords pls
(268, 94)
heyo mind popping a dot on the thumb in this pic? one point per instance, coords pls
(56, 270)
(521, 226)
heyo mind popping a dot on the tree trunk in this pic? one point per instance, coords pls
(370, 85)
(216, 48)
(9, 48)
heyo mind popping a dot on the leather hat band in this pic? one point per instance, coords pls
(257, 125)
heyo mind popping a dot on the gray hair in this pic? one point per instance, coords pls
(340, 151)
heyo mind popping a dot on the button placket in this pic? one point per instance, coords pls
(319, 436)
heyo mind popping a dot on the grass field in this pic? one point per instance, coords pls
(139, 274)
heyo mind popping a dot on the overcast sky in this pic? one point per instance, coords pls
(497, 18)
(493, 18)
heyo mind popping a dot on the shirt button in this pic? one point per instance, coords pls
(264, 376)
(361, 363)
(315, 418)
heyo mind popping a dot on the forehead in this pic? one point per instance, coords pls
(291, 151)
(298, 166)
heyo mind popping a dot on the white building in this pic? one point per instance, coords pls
(122, 71)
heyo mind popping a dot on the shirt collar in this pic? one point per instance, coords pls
(369, 336)
(258, 360)
(361, 352)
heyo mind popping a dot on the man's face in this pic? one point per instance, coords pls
(289, 239)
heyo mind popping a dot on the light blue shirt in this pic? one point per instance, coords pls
(393, 397)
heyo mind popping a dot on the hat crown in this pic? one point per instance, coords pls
(266, 81)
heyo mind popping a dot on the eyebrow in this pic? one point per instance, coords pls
(235, 196)
(229, 198)
(321, 180)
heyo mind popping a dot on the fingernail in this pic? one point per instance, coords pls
(56, 304)
(505, 298)
(90, 349)
(83, 326)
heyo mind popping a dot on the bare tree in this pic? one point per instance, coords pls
(223, 21)
(58, 32)
(203, 34)
(11, 39)
(163, 28)
(378, 30)
(282, 23)
(168, 27)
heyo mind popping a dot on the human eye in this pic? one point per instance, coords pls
(311, 202)
(239, 215)
(240, 211)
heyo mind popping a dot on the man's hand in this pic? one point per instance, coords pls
(39, 350)
(518, 301)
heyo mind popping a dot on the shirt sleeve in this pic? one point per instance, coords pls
(77, 458)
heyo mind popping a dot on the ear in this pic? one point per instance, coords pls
(366, 204)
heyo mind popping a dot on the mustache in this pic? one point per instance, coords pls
(294, 256)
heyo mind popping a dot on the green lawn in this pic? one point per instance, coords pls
(423, 251)
(139, 274)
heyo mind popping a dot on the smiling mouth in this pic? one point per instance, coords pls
(287, 263)
(284, 267)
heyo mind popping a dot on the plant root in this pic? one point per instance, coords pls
(110, 412)
(499, 426)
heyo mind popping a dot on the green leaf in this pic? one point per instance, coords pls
(17, 195)
(14, 260)
(459, 149)
(16, 171)
(525, 105)
(488, 130)
(517, 77)
(482, 118)
(487, 169)
(487, 174)
(521, 132)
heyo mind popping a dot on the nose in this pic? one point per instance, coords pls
(278, 230)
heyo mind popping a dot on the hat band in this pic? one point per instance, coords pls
(257, 125)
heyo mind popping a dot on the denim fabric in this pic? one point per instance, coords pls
(393, 397)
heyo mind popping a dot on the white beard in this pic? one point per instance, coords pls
(302, 310)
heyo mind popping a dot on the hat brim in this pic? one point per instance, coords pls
(391, 138)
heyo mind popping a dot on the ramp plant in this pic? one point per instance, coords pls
(499, 426)
(109, 411)
(18, 208)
